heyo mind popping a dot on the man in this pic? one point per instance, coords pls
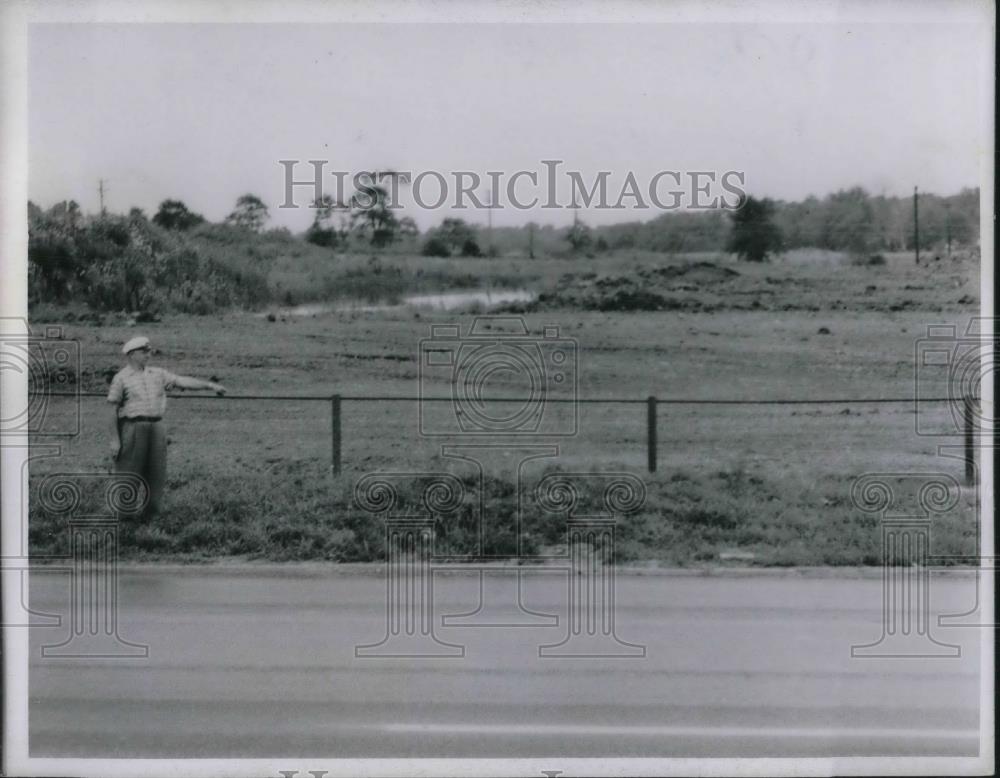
(139, 395)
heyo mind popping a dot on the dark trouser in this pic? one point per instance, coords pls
(144, 453)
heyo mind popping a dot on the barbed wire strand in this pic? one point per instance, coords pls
(522, 400)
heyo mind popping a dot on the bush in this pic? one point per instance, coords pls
(174, 215)
(754, 235)
(867, 260)
(436, 247)
(319, 236)
(471, 249)
(116, 263)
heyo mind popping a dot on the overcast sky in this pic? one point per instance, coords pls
(203, 112)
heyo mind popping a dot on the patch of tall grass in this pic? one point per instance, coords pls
(299, 511)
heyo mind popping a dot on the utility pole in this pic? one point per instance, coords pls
(531, 240)
(947, 226)
(489, 224)
(100, 192)
(916, 227)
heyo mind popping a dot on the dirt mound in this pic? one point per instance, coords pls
(672, 284)
(643, 289)
(697, 272)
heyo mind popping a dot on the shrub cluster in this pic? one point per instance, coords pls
(127, 263)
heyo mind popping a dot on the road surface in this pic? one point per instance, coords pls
(263, 663)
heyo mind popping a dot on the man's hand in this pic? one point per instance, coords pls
(116, 447)
(219, 389)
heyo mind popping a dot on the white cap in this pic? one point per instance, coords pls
(140, 341)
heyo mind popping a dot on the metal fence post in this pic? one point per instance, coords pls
(335, 437)
(651, 433)
(970, 449)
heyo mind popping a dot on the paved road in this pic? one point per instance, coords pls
(263, 664)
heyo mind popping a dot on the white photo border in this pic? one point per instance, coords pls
(14, 20)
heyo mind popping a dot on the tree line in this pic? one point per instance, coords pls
(849, 221)
(179, 260)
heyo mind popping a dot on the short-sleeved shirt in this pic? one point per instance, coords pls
(141, 392)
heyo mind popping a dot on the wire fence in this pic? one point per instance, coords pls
(336, 402)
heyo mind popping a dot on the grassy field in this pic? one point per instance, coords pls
(771, 481)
